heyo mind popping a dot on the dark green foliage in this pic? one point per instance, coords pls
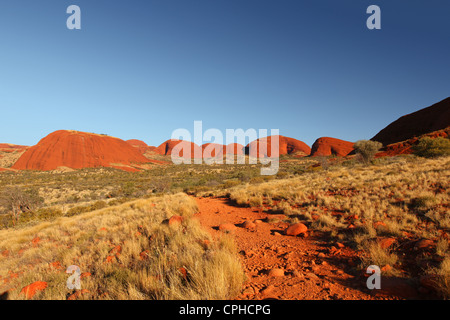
(432, 148)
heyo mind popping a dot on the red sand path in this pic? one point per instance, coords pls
(307, 273)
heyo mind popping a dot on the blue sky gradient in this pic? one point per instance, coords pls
(143, 68)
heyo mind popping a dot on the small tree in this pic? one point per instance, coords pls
(366, 149)
(323, 161)
(19, 201)
(431, 148)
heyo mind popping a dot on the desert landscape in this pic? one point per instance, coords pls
(227, 158)
(139, 227)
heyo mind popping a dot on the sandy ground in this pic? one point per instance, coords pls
(284, 267)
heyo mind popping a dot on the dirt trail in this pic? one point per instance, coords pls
(311, 268)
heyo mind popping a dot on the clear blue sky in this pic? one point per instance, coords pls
(142, 68)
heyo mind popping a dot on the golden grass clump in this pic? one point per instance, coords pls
(441, 278)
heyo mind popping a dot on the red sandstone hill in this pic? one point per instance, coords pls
(430, 119)
(285, 145)
(327, 146)
(167, 147)
(140, 145)
(212, 150)
(9, 153)
(78, 150)
(235, 148)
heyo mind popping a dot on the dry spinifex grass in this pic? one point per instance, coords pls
(154, 260)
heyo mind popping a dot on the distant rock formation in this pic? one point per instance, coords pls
(218, 150)
(140, 145)
(430, 119)
(213, 150)
(263, 147)
(7, 147)
(168, 146)
(327, 146)
(77, 150)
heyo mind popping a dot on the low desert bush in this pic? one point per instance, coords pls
(20, 200)
(376, 255)
(430, 148)
(82, 209)
(366, 150)
(255, 201)
(240, 197)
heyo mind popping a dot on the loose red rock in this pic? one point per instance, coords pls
(30, 290)
(386, 242)
(175, 221)
(227, 227)
(296, 229)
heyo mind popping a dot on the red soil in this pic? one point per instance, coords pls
(281, 266)
(430, 119)
(168, 146)
(285, 145)
(327, 146)
(292, 262)
(78, 150)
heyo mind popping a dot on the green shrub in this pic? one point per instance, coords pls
(48, 213)
(128, 189)
(82, 209)
(231, 183)
(282, 174)
(366, 150)
(18, 201)
(244, 176)
(431, 148)
(256, 180)
(76, 210)
(116, 202)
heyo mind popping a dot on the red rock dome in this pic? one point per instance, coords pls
(78, 150)
(167, 147)
(327, 146)
(141, 145)
(285, 145)
(212, 150)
